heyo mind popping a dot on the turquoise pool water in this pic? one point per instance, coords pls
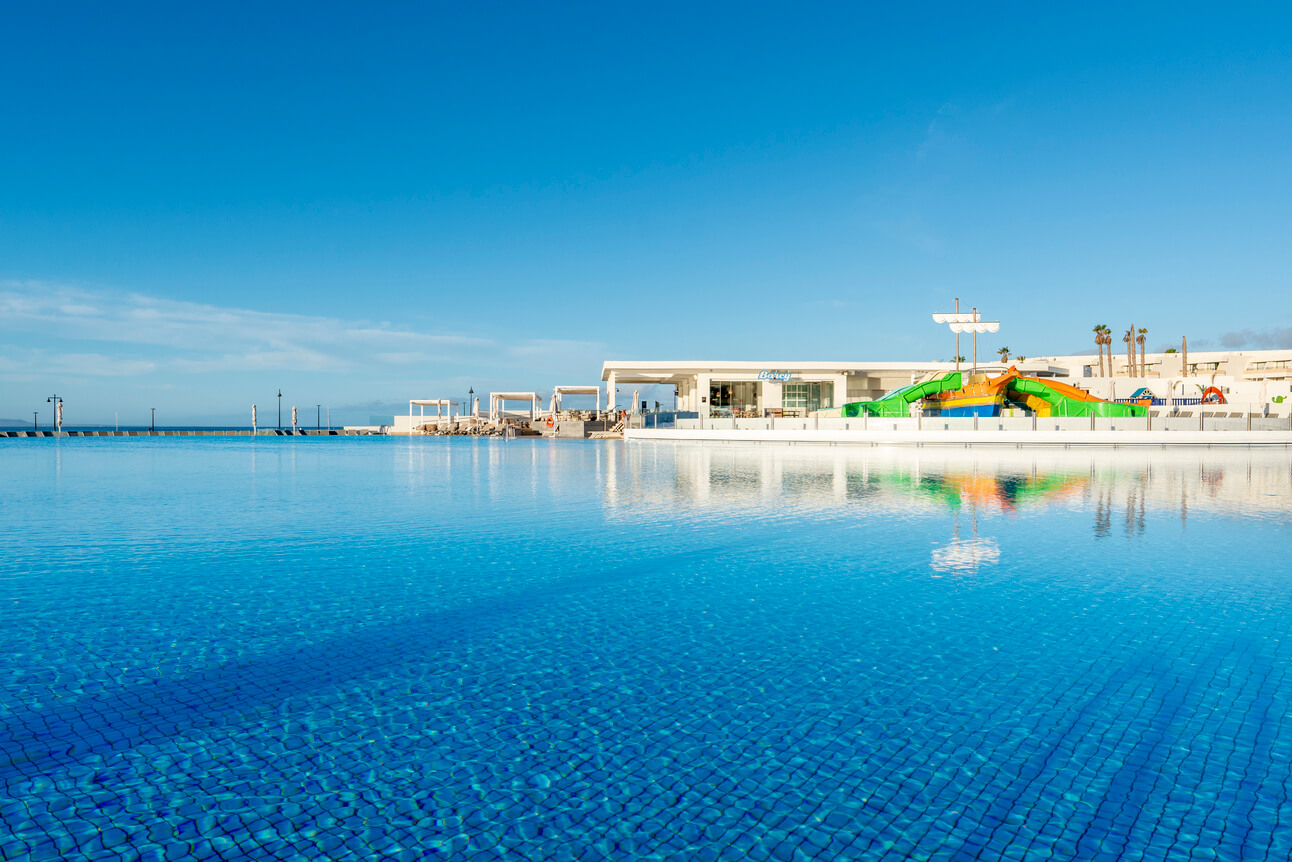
(406, 649)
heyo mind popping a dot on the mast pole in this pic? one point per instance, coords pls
(957, 335)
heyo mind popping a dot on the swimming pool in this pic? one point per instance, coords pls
(471, 649)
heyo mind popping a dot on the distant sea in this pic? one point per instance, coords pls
(14, 425)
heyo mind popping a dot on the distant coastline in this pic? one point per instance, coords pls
(19, 425)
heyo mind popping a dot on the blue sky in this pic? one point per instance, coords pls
(362, 205)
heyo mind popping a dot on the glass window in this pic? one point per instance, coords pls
(800, 399)
(734, 398)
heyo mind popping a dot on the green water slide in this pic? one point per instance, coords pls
(1065, 400)
(898, 402)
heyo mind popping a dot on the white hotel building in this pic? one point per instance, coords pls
(1260, 380)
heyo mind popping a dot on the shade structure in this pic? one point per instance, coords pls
(498, 399)
(978, 326)
(558, 391)
(443, 410)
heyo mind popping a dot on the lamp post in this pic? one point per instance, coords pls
(318, 417)
(280, 410)
(153, 429)
(34, 426)
(471, 401)
(58, 412)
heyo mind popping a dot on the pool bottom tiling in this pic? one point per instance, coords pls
(462, 649)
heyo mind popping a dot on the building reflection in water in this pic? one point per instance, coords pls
(971, 487)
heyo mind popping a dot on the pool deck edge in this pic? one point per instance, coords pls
(968, 438)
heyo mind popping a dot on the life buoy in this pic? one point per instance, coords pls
(548, 423)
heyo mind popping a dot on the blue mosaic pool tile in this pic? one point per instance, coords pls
(467, 677)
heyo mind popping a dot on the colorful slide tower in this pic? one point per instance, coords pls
(987, 396)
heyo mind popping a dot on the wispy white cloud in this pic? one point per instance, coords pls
(1263, 339)
(19, 361)
(157, 334)
(940, 132)
(547, 347)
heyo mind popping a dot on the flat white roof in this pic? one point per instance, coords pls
(577, 390)
(766, 365)
(433, 402)
(650, 371)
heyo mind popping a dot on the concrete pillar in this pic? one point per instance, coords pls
(702, 395)
(773, 394)
(610, 393)
(840, 395)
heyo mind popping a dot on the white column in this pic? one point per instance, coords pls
(610, 393)
(840, 389)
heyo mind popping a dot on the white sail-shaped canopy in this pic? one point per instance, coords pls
(976, 326)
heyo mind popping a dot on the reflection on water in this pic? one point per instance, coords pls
(965, 556)
(972, 490)
(1248, 481)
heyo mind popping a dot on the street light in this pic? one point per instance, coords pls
(153, 429)
(318, 417)
(471, 400)
(34, 426)
(280, 410)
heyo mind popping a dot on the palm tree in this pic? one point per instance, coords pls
(1143, 369)
(1021, 358)
(1129, 338)
(1099, 345)
(1105, 339)
(1004, 354)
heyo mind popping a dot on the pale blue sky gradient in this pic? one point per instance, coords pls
(367, 204)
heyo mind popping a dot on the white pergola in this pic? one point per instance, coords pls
(498, 399)
(443, 410)
(558, 391)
